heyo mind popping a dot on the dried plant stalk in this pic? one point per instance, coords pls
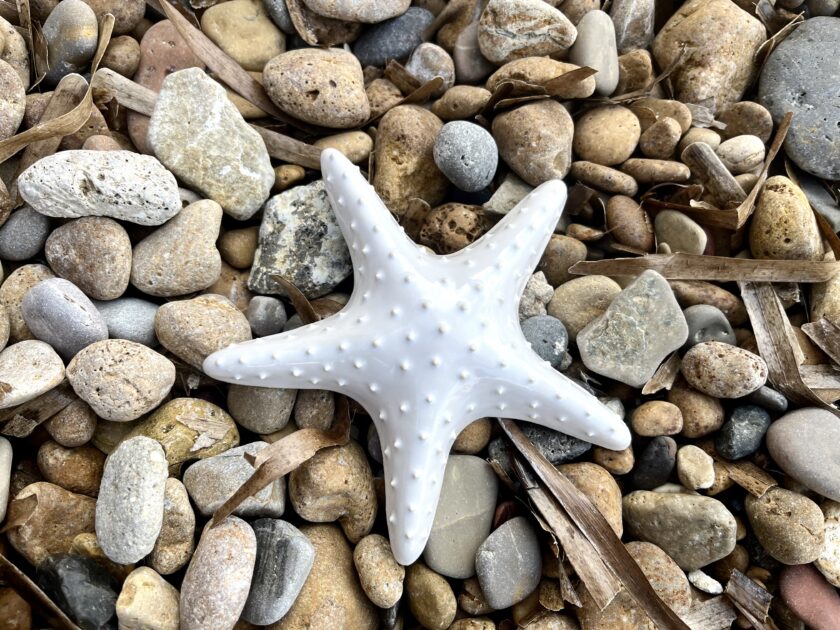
(826, 335)
(708, 168)
(750, 599)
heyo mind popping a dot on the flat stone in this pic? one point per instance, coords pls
(509, 563)
(741, 435)
(198, 134)
(466, 153)
(130, 318)
(117, 184)
(244, 30)
(813, 141)
(510, 192)
(210, 482)
(147, 601)
(174, 545)
(379, 572)
(595, 47)
(71, 32)
(81, 588)
(120, 380)
(57, 312)
(681, 233)
(804, 443)
(694, 530)
(284, 559)
(463, 518)
(512, 29)
(392, 39)
(23, 234)
(28, 369)
(216, 584)
(300, 240)
(641, 327)
(180, 257)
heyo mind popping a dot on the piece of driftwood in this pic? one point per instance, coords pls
(826, 335)
(717, 613)
(822, 376)
(745, 473)
(750, 599)
(708, 168)
(21, 420)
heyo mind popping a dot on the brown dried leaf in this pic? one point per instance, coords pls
(745, 473)
(21, 420)
(596, 529)
(750, 599)
(826, 335)
(10, 575)
(664, 376)
(717, 613)
(682, 266)
(417, 97)
(396, 73)
(301, 303)
(561, 86)
(450, 13)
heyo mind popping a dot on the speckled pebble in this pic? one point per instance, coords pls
(23, 234)
(788, 525)
(723, 370)
(695, 468)
(741, 435)
(512, 29)
(508, 563)
(29, 369)
(430, 597)
(379, 573)
(548, 338)
(466, 153)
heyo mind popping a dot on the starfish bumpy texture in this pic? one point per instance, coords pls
(426, 344)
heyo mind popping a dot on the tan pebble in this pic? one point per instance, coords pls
(535, 140)
(287, 175)
(741, 154)
(600, 488)
(336, 484)
(382, 95)
(122, 56)
(474, 623)
(314, 409)
(647, 171)
(604, 178)
(405, 165)
(628, 223)
(747, 181)
(233, 285)
(539, 71)
(656, 417)
(471, 599)
(175, 543)
(380, 574)
(607, 135)
(702, 414)
(680, 232)
(783, 224)
(474, 437)
(101, 143)
(616, 462)
(460, 102)
(695, 468)
(243, 29)
(11, 295)
(13, 102)
(829, 561)
(238, 247)
(72, 426)
(635, 71)
(722, 481)
(746, 117)
(76, 469)
(561, 253)
(551, 597)
(691, 292)
(512, 29)
(430, 597)
(789, 526)
(355, 145)
(699, 134)
(127, 13)
(148, 601)
(660, 139)
(86, 544)
(651, 110)
(452, 226)
(579, 301)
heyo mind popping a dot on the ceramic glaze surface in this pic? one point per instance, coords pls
(426, 345)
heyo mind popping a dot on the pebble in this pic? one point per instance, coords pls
(595, 47)
(279, 12)
(266, 315)
(284, 559)
(470, 64)
(512, 29)
(117, 184)
(75, 469)
(746, 118)
(262, 410)
(783, 225)
(130, 318)
(788, 525)
(19, 282)
(647, 171)
(238, 247)
(655, 463)
(216, 584)
(651, 110)
(127, 13)
(15, 51)
(707, 323)
(804, 444)
(404, 157)
(607, 135)
(539, 71)
(336, 484)
(695, 468)
(699, 134)
(332, 594)
(320, 86)
(430, 597)
(466, 153)
(691, 292)
(604, 178)
(174, 545)
(461, 102)
(201, 137)
(57, 312)
(644, 322)
(355, 145)
(660, 139)
(94, 253)
(122, 56)
(694, 530)
(633, 20)
(508, 564)
(656, 417)
(23, 234)
(556, 447)
(623, 612)
(244, 30)
(681, 233)
(702, 414)
(508, 193)
(535, 140)
(180, 257)
(5, 474)
(812, 142)
(474, 437)
(628, 223)
(28, 369)
(723, 370)
(536, 295)
(429, 61)
(809, 597)
(194, 329)
(98, 376)
(452, 226)
(548, 338)
(57, 518)
(463, 518)
(723, 39)
(579, 301)
(617, 462)
(81, 588)
(600, 488)
(635, 71)
(147, 601)
(741, 435)
(741, 154)
(189, 428)
(71, 33)
(392, 39)
(828, 562)
(379, 573)
(705, 582)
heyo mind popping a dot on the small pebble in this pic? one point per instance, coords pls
(238, 247)
(723, 370)
(461, 102)
(704, 582)
(379, 573)
(148, 601)
(579, 301)
(634, 24)
(535, 297)
(466, 154)
(392, 39)
(741, 435)
(508, 564)
(266, 315)
(122, 56)
(600, 488)
(655, 463)
(428, 61)
(430, 597)
(174, 545)
(656, 417)
(707, 323)
(260, 409)
(130, 318)
(355, 145)
(660, 139)
(702, 414)
(695, 468)
(741, 154)
(76, 469)
(23, 234)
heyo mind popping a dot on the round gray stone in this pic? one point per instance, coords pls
(129, 510)
(466, 154)
(769, 399)
(23, 235)
(130, 318)
(261, 409)
(707, 323)
(741, 435)
(266, 315)
(509, 563)
(392, 39)
(279, 13)
(800, 76)
(548, 338)
(57, 312)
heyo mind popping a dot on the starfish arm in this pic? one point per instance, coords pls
(509, 252)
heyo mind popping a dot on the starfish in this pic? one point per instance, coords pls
(426, 344)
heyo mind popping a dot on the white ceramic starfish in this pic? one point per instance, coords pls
(426, 344)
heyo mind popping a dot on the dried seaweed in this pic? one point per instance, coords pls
(712, 268)
(34, 596)
(750, 599)
(826, 335)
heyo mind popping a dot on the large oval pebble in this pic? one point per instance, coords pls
(27, 370)
(723, 370)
